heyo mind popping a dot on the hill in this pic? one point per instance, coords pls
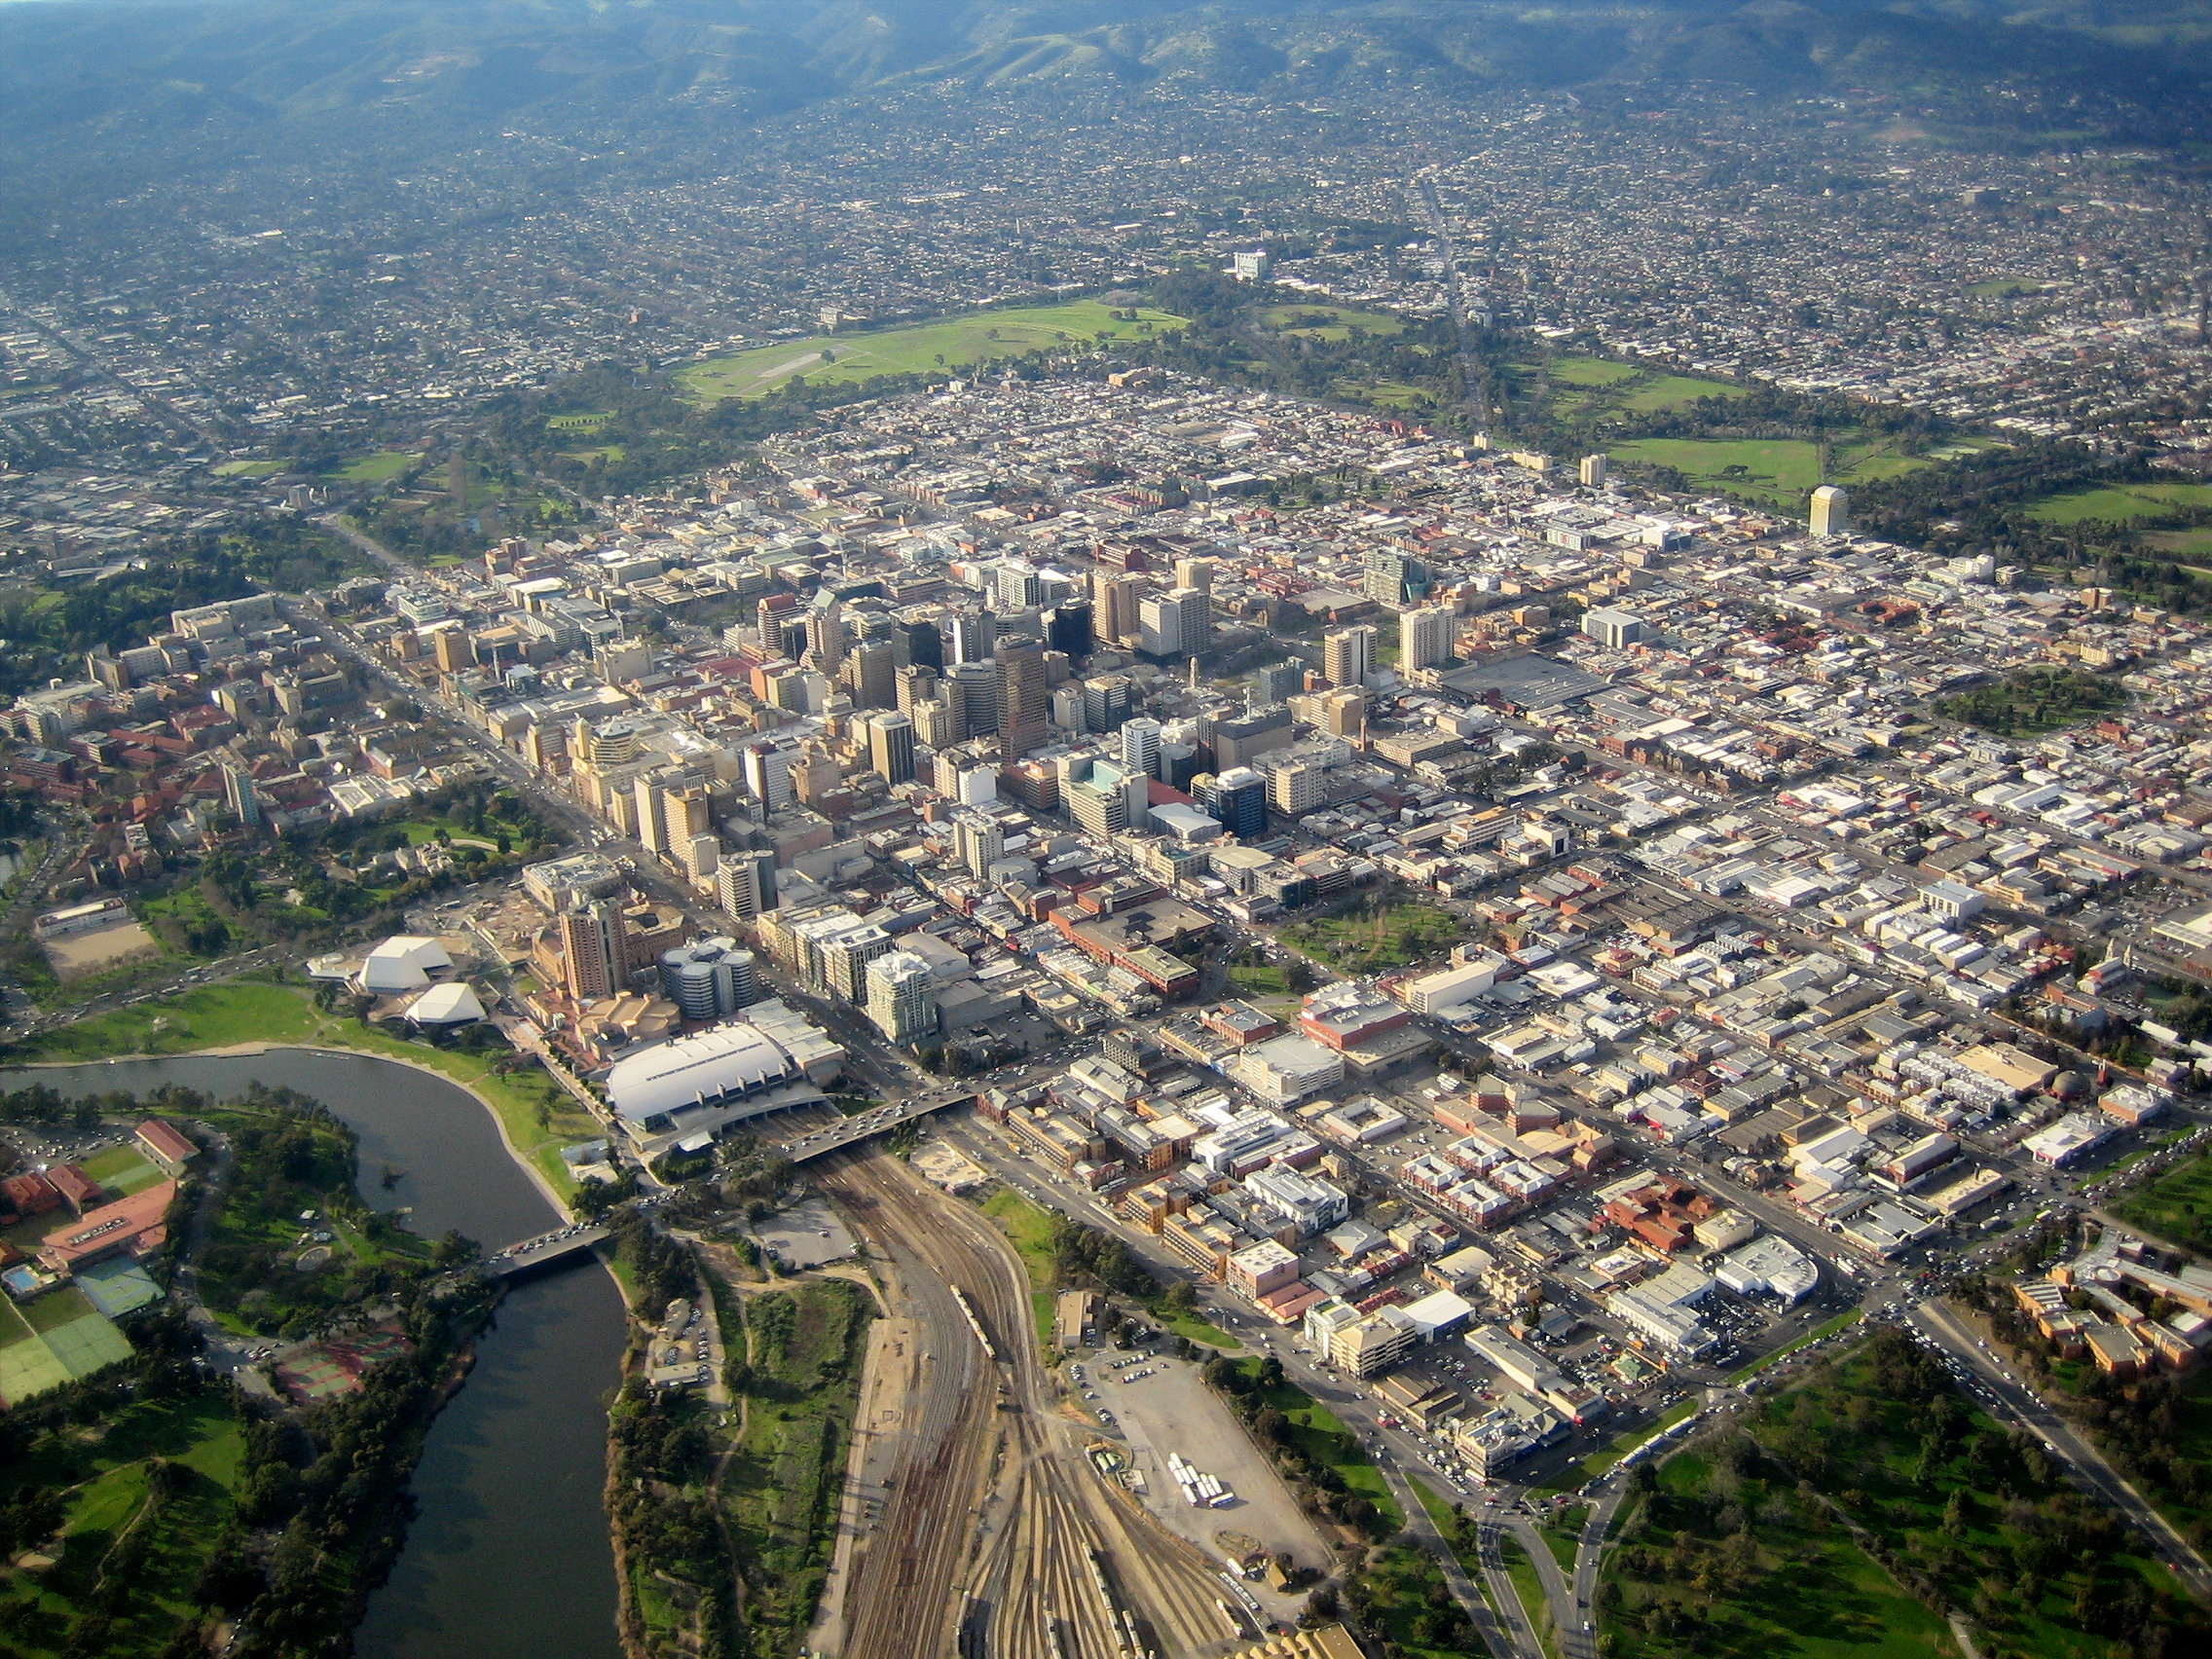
(113, 84)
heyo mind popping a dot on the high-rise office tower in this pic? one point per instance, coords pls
(1240, 799)
(768, 774)
(873, 674)
(238, 795)
(1018, 586)
(1068, 628)
(1117, 601)
(1391, 576)
(1596, 471)
(1424, 637)
(768, 622)
(937, 722)
(1107, 701)
(891, 747)
(923, 643)
(976, 685)
(974, 635)
(1176, 623)
(592, 951)
(745, 884)
(826, 639)
(1831, 511)
(917, 684)
(1140, 746)
(1278, 682)
(1194, 574)
(1025, 707)
(1347, 656)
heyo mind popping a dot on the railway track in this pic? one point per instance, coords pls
(997, 1540)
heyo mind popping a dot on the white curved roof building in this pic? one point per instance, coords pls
(736, 1058)
(445, 1004)
(402, 963)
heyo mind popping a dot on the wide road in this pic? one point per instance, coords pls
(2088, 1463)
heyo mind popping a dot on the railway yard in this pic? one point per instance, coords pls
(981, 1530)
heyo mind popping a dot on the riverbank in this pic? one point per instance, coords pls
(511, 1489)
(536, 1116)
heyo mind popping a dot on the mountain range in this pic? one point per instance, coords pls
(218, 74)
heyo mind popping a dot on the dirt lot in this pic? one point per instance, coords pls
(809, 1234)
(96, 952)
(1173, 1411)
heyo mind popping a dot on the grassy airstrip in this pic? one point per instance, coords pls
(952, 343)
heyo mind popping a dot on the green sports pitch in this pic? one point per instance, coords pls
(926, 347)
(32, 1361)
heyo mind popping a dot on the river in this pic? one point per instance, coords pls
(509, 1556)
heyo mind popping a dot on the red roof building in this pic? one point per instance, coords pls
(165, 1146)
(28, 1195)
(77, 1189)
(136, 1225)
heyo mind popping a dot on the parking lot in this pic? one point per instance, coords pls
(1172, 1410)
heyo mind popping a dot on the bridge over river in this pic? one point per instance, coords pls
(547, 1247)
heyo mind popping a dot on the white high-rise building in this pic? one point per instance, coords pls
(1831, 511)
(1140, 746)
(1424, 637)
(1596, 473)
(901, 999)
(1177, 623)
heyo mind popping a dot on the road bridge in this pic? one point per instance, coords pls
(547, 1247)
(873, 1121)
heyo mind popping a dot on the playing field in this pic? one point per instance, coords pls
(1332, 324)
(2122, 503)
(953, 343)
(1779, 469)
(32, 1362)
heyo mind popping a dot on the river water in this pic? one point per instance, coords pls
(508, 1554)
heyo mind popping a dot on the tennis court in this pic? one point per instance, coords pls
(27, 1366)
(118, 1287)
(84, 1346)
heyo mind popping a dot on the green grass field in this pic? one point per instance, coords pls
(1674, 392)
(250, 468)
(1366, 940)
(928, 348)
(2035, 700)
(2122, 503)
(1321, 1437)
(1780, 470)
(1332, 323)
(2003, 287)
(2177, 1205)
(1030, 1231)
(103, 1475)
(778, 1492)
(1732, 1555)
(375, 468)
(1591, 372)
(1260, 979)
